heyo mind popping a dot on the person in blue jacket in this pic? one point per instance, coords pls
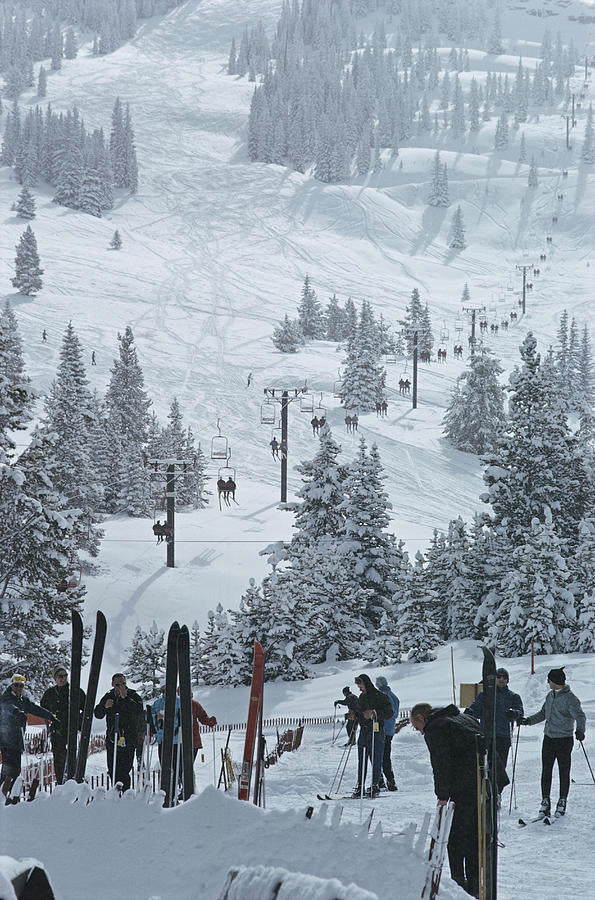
(389, 733)
(158, 714)
(509, 708)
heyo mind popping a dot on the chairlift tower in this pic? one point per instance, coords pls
(523, 268)
(285, 396)
(169, 469)
(473, 310)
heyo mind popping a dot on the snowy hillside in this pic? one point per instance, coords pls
(215, 251)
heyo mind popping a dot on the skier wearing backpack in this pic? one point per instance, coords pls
(389, 733)
(452, 738)
(373, 708)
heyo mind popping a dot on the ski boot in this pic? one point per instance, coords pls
(372, 792)
(381, 785)
(356, 792)
(391, 786)
(545, 808)
(560, 807)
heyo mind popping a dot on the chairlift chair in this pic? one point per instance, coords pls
(307, 404)
(493, 312)
(319, 409)
(225, 472)
(338, 390)
(390, 359)
(458, 325)
(444, 333)
(219, 445)
(510, 287)
(268, 412)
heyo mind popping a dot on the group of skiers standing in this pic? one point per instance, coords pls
(128, 724)
(451, 737)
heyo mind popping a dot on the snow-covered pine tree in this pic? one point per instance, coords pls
(287, 336)
(475, 415)
(196, 660)
(363, 376)
(68, 417)
(532, 467)
(419, 633)
(28, 273)
(25, 207)
(533, 179)
(501, 133)
(457, 231)
(70, 48)
(319, 513)
(370, 552)
(70, 179)
(412, 320)
(587, 148)
(383, 648)
(438, 195)
(145, 660)
(425, 336)
(495, 45)
(536, 608)
(222, 656)
(116, 241)
(91, 198)
(460, 613)
(334, 320)
(310, 316)
(522, 149)
(35, 532)
(127, 406)
(42, 82)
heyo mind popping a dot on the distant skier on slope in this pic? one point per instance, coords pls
(561, 709)
(352, 703)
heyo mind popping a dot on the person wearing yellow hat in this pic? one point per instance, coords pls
(14, 709)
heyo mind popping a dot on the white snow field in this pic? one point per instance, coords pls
(215, 250)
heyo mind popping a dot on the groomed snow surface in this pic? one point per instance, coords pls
(214, 253)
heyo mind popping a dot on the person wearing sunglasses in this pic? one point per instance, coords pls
(57, 698)
(128, 706)
(15, 706)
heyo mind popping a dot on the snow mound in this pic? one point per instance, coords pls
(196, 844)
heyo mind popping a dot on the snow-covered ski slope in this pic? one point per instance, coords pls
(215, 252)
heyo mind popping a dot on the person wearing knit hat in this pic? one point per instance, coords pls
(560, 711)
(57, 698)
(509, 708)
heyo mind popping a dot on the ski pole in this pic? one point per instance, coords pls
(330, 790)
(336, 737)
(116, 732)
(334, 721)
(588, 763)
(349, 748)
(214, 760)
(512, 786)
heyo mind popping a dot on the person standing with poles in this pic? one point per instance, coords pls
(561, 710)
(125, 706)
(389, 733)
(351, 702)
(509, 708)
(373, 708)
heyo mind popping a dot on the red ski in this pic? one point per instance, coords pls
(253, 718)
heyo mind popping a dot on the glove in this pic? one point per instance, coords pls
(21, 717)
(524, 721)
(368, 713)
(212, 722)
(335, 703)
(580, 735)
(512, 714)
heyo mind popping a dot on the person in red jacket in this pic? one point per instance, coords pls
(199, 716)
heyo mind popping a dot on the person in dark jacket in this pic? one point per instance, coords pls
(451, 739)
(509, 708)
(561, 710)
(352, 703)
(56, 699)
(14, 709)
(128, 706)
(373, 708)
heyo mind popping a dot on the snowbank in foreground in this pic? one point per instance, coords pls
(141, 851)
